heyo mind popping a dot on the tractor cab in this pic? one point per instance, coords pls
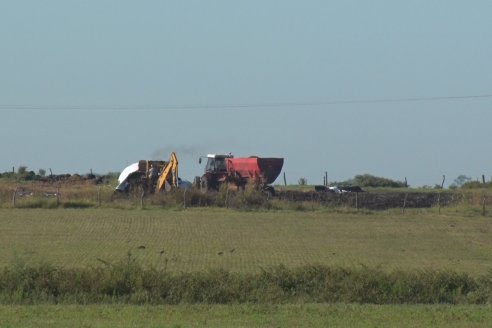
(216, 163)
(215, 172)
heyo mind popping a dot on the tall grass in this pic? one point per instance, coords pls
(128, 282)
(248, 199)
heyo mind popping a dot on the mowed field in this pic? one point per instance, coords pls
(201, 239)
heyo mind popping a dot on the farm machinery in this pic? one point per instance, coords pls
(150, 176)
(238, 172)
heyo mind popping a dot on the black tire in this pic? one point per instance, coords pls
(204, 184)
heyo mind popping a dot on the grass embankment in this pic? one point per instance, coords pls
(305, 315)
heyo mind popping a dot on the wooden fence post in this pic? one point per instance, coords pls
(142, 199)
(58, 196)
(285, 180)
(99, 196)
(439, 202)
(484, 196)
(484, 200)
(439, 195)
(14, 196)
(405, 202)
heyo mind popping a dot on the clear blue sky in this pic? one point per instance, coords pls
(101, 84)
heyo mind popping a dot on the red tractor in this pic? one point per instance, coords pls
(237, 172)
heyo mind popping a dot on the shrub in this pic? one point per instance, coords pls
(77, 204)
(476, 185)
(367, 180)
(249, 199)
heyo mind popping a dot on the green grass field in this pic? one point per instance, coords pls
(200, 239)
(306, 315)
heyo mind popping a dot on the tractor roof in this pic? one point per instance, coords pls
(220, 156)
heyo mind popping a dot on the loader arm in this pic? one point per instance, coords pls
(171, 168)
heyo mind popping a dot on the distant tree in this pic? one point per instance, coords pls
(461, 180)
(368, 180)
(42, 172)
(22, 169)
(302, 181)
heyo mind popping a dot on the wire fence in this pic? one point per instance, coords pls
(66, 196)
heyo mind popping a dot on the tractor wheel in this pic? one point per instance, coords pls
(204, 184)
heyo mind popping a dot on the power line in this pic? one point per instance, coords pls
(239, 106)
